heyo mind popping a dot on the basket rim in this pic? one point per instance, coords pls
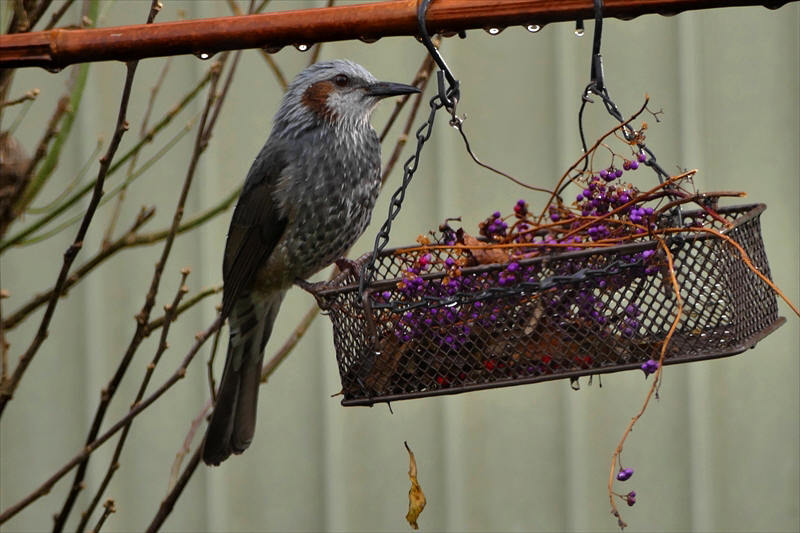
(333, 287)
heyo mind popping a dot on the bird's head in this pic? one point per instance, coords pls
(336, 92)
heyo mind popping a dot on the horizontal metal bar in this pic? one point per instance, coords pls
(57, 48)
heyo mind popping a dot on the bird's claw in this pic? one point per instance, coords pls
(310, 287)
(346, 265)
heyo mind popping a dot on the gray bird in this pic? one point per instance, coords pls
(307, 197)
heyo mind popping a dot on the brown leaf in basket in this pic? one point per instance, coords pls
(390, 351)
(484, 253)
(416, 498)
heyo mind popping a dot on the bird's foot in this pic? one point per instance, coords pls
(346, 265)
(310, 287)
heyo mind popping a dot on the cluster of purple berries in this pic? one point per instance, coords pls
(625, 474)
(494, 227)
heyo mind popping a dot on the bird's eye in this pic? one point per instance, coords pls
(341, 80)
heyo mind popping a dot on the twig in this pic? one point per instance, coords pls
(169, 317)
(169, 501)
(189, 97)
(653, 386)
(186, 447)
(142, 132)
(30, 95)
(128, 240)
(273, 66)
(58, 14)
(108, 508)
(143, 316)
(89, 448)
(297, 334)
(191, 302)
(4, 345)
(124, 241)
(51, 204)
(10, 385)
(78, 79)
(113, 193)
(317, 48)
(586, 154)
(745, 259)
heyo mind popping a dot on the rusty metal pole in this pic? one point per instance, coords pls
(57, 48)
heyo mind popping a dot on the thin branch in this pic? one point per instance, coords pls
(189, 97)
(169, 501)
(9, 386)
(131, 166)
(273, 66)
(28, 96)
(52, 204)
(191, 302)
(58, 14)
(77, 82)
(89, 448)
(108, 508)
(80, 273)
(653, 385)
(317, 48)
(143, 316)
(170, 314)
(186, 447)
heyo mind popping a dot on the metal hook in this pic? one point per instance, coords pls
(450, 96)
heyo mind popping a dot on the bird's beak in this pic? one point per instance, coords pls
(382, 89)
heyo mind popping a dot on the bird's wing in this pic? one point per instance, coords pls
(255, 229)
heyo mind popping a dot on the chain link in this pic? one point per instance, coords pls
(616, 267)
(423, 133)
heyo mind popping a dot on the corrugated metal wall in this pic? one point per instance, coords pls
(717, 452)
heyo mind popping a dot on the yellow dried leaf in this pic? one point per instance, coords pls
(416, 498)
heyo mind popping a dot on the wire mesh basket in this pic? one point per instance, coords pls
(554, 316)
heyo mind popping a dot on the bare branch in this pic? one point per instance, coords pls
(87, 450)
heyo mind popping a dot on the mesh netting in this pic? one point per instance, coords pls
(556, 316)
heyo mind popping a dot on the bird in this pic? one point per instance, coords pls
(307, 197)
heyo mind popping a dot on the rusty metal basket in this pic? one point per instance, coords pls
(561, 315)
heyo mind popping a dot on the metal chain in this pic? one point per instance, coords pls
(409, 168)
(616, 267)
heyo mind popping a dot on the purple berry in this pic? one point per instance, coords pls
(641, 157)
(624, 474)
(630, 498)
(633, 165)
(648, 367)
(618, 173)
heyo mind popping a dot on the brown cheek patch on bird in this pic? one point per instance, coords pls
(315, 98)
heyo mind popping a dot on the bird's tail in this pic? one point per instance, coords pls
(233, 421)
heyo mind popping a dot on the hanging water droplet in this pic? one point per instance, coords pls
(579, 32)
(273, 49)
(303, 47)
(368, 40)
(533, 28)
(53, 70)
(203, 55)
(493, 31)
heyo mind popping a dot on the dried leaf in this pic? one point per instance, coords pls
(416, 498)
(484, 253)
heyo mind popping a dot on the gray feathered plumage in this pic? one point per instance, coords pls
(307, 197)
